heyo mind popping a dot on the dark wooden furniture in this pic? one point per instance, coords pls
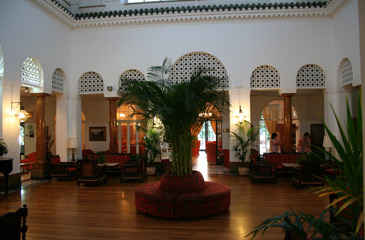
(6, 166)
(88, 171)
(13, 225)
(60, 169)
(308, 173)
(262, 171)
(133, 170)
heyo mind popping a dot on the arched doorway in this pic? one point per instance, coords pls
(272, 120)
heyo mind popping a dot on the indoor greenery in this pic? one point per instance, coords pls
(152, 145)
(3, 147)
(243, 139)
(348, 186)
(177, 106)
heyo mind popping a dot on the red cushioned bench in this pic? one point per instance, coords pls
(182, 197)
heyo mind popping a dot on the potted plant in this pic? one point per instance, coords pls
(347, 186)
(177, 106)
(243, 139)
(3, 147)
(152, 145)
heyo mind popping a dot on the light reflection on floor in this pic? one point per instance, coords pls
(200, 164)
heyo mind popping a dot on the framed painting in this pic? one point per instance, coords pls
(97, 133)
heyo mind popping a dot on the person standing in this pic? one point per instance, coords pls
(304, 143)
(274, 142)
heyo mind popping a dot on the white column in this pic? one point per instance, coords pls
(74, 123)
(238, 96)
(61, 126)
(10, 123)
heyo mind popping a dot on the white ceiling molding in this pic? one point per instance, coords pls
(198, 16)
(56, 12)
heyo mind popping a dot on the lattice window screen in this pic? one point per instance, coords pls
(31, 72)
(184, 66)
(265, 77)
(346, 72)
(132, 74)
(91, 82)
(311, 76)
(57, 81)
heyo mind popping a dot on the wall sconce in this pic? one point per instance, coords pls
(241, 116)
(72, 144)
(109, 88)
(22, 114)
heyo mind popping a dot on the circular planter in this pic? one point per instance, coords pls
(182, 184)
(151, 171)
(243, 171)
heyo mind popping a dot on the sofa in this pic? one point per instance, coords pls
(278, 158)
(28, 161)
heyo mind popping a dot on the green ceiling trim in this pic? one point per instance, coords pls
(202, 8)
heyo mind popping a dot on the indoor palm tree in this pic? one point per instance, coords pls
(178, 107)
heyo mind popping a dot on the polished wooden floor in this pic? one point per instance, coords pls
(61, 210)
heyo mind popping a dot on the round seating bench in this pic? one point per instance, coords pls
(214, 199)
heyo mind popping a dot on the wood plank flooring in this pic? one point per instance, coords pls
(61, 210)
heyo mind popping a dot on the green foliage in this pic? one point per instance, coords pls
(349, 184)
(178, 107)
(298, 224)
(152, 144)
(243, 139)
(3, 147)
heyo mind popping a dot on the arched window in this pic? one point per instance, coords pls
(265, 77)
(184, 66)
(346, 74)
(32, 73)
(311, 76)
(91, 82)
(57, 80)
(131, 74)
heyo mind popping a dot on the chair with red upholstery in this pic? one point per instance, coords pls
(195, 148)
(26, 164)
(211, 149)
(88, 171)
(62, 169)
(87, 153)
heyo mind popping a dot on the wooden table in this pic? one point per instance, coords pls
(289, 168)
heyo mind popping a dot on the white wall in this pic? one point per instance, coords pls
(26, 31)
(96, 113)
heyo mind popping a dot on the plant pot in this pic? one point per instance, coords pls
(243, 171)
(151, 171)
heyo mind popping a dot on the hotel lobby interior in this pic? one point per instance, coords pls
(283, 66)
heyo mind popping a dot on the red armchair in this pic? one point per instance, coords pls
(26, 164)
(196, 147)
(62, 169)
(211, 149)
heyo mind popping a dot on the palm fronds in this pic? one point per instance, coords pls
(177, 106)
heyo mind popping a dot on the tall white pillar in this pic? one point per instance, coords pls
(238, 96)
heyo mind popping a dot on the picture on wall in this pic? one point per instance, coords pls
(97, 133)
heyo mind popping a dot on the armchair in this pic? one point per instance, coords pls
(62, 169)
(133, 170)
(308, 173)
(13, 225)
(262, 171)
(88, 171)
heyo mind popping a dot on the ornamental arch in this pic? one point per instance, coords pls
(185, 65)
